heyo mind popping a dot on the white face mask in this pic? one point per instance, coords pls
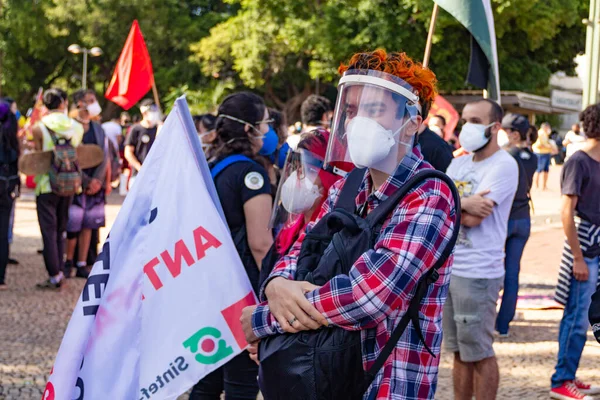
(298, 195)
(472, 136)
(94, 109)
(368, 141)
(154, 117)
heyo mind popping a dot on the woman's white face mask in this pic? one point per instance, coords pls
(299, 195)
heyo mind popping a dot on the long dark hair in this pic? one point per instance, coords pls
(232, 138)
(8, 129)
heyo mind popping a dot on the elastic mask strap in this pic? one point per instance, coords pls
(241, 121)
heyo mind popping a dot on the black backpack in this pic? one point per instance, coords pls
(327, 363)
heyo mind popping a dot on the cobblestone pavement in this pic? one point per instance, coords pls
(32, 322)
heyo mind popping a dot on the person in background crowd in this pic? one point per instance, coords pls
(417, 230)
(245, 193)
(141, 137)
(558, 158)
(532, 137)
(275, 160)
(574, 141)
(435, 150)
(578, 278)
(15, 110)
(437, 124)
(544, 148)
(205, 126)
(53, 210)
(316, 112)
(513, 138)
(9, 185)
(114, 131)
(86, 213)
(125, 121)
(487, 180)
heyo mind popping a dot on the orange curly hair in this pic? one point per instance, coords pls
(422, 79)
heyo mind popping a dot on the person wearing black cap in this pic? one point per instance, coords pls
(513, 138)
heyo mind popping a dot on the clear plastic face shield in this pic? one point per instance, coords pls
(375, 121)
(304, 181)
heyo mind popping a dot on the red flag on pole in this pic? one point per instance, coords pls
(133, 76)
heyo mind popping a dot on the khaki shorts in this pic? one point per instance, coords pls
(470, 317)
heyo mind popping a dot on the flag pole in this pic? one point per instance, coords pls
(434, 15)
(155, 93)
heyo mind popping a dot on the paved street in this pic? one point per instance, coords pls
(32, 322)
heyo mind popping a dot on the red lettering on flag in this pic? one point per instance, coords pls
(151, 273)
(211, 241)
(232, 316)
(174, 264)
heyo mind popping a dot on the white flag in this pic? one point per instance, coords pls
(161, 307)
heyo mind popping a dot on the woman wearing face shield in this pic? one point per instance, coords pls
(245, 194)
(382, 101)
(303, 187)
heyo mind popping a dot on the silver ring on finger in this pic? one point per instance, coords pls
(292, 321)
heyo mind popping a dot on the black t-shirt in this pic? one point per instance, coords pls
(520, 206)
(142, 140)
(236, 184)
(581, 177)
(529, 161)
(435, 150)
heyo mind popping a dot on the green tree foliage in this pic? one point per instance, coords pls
(283, 49)
(35, 34)
(280, 46)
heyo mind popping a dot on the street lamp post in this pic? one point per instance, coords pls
(94, 52)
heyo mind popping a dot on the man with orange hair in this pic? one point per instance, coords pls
(383, 100)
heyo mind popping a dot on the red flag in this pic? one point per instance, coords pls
(133, 76)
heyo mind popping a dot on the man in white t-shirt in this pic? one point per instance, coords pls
(487, 181)
(574, 140)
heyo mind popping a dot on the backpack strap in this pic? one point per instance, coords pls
(412, 314)
(347, 198)
(226, 162)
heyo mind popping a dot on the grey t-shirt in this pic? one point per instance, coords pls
(581, 177)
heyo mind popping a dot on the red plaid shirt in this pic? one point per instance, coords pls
(382, 282)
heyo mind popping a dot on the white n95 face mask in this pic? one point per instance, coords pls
(368, 142)
(298, 195)
(94, 109)
(472, 136)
